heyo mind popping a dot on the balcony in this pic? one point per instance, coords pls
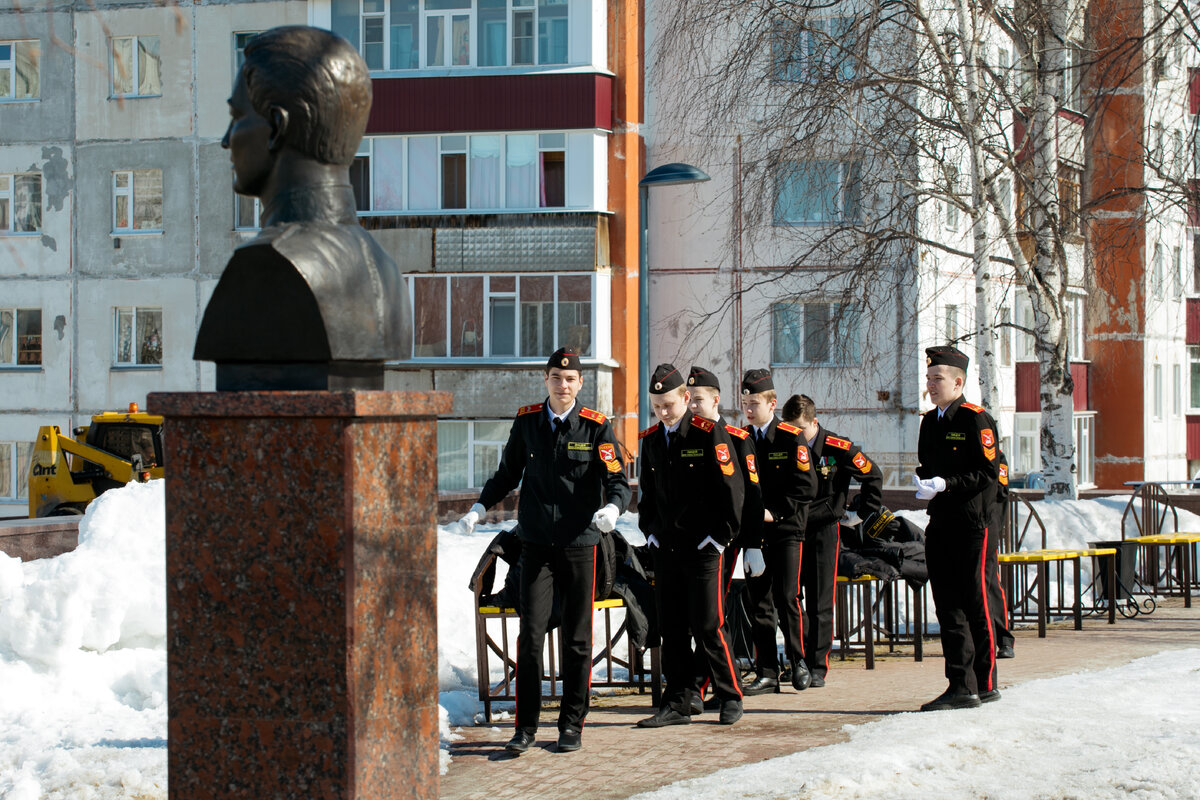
(1028, 394)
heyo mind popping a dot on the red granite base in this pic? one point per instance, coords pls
(301, 594)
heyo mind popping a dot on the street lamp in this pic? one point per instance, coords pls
(666, 175)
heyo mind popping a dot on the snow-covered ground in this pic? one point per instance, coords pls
(83, 685)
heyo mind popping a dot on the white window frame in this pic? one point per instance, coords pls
(1193, 385)
(950, 323)
(128, 191)
(10, 64)
(598, 336)
(845, 345)
(12, 493)
(1026, 433)
(1083, 425)
(116, 334)
(1076, 325)
(8, 196)
(802, 71)
(1177, 390)
(12, 362)
(1156, 391)
(134, 66)
(844, 168)
(1006, 337)
(473, 442)
(1026, 342)
(239, 56)
(1177, 271)
(1156, 271)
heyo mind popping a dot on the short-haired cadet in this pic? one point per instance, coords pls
(959, 468)
(789, 484)
(689, 506)
(573, 487)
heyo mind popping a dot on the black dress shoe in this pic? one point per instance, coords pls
(697, 705)
(948, 699)
(664, 717)
(712, 704)
(990, 696)
(801, 677)
(816, 682)
(731, 711)
(522, 740)
(1005, 651)
(569, 739)
(763, 685)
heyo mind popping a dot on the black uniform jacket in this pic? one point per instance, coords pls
(787, 477)
(962, 449)
(692, 489)
(564, 478)
(750, 532)
(836, 460)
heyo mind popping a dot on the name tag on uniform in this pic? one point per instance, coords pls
(956, 436)
(777, 455)
(579, 445)
(692, 453)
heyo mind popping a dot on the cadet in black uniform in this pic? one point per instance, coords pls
(689, 501)
(997, 604)
(836, 461)
(789, 484)
(705, 391)
(573, 487)
(958, 471)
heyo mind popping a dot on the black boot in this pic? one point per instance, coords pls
(801, 677)
(521, 741)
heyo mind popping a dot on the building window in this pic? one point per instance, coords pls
(949, 206)
(240, 40)
(1005, 336)
(1069, 198)
(1196, 264)
(247, 213)
(20, 203)
(1026, 339)
(1176, 390)
(20, 70)
(20, 337)
(392, 34)
(501, 316)
(14, 470)
(1156, 271)
(1177, 271)
(469, 452)
(1074, 306)
(1085, 450)
(817, 192)
(1158, 391)
(1194, 378)
(1073, 76)
(1028, 457)
(950, 324)
(815, 334)
(821, 51)
(137, 201)
(138, 337)
(136, 67)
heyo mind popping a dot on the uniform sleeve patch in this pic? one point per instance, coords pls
(861, 462)
(788, 428)
(803, 462)
(648, 431)
(533, 409)
(703, 424)
(834, 441)
(724, 459)
(751, 468)
(1004, 474)
(735, 431)
(973, 407)
(594, 416)
(987, 437)
(608, 454)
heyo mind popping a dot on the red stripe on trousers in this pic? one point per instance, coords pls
(837, 548)
(800, 611)
(720, 631)
(987, 614)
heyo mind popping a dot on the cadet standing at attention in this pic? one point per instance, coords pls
(835, 461)
(573, 487)
(789, 484)
(689, 502)
(959, 468)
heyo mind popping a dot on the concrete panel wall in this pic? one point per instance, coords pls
(53, 112)
(47, 253)
(47, 387)
(169, 252)
(98, 115)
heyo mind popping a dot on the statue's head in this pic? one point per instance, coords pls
(301, 89)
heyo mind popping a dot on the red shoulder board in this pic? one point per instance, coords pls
(733, 430)
(703, 424)
(594, 416)
(530, 409)
(786, 428)
(972, 407)
(834, 441)
(648, 431)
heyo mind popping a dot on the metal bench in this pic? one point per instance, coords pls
(871, 616)
(1179, 550)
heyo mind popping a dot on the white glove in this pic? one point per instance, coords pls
(753, 561)
(605, 519)
(469, 519)
(851, 519)
(926, 489)
(710, 540)
(652, 541)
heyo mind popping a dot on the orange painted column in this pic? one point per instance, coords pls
(626, 154)
(1117, 241)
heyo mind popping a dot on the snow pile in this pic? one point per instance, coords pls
(83, 658)
(1123, 732)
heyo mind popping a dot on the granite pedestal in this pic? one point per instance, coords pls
(301, 594)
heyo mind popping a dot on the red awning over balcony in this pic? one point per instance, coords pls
(1193, 320)
(1029, 387)
(1193, 436)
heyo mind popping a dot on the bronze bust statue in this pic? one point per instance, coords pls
(312, 302)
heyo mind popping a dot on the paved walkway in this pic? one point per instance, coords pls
(619, 760)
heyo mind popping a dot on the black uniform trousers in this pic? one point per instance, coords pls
(777, 592)
(573, 571)
(699, 659)
(687, 588)
(957, 560)
(818, 577)
(997, 603)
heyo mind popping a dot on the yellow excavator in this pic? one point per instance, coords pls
(65, 473)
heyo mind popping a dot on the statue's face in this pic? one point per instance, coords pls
(248, 140)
